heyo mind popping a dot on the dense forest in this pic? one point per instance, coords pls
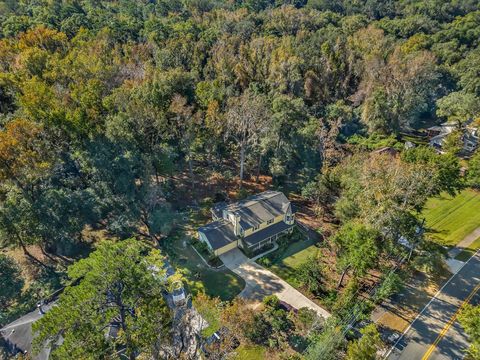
(104, 105)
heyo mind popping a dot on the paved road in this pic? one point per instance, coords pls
(436, 334)
(260, 282)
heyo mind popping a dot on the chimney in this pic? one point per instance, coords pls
(236, 226)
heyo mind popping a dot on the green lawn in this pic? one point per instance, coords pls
(291, 258)
(245, 352)
(468, 252)
(449, 219)
(198, 277)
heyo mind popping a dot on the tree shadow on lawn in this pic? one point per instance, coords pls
(220, 283)
(415, 294)
(223, 284)
(436, 236)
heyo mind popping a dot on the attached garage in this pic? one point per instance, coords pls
(225, 248)
(219, 236)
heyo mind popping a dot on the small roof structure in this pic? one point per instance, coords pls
(219, 233)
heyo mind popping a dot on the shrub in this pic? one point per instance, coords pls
(11, 280)
(310, 275)
(389, 286)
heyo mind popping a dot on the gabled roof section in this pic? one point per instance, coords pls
(219, 233)
(260, 208)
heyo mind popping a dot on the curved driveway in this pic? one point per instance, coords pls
(261, 282)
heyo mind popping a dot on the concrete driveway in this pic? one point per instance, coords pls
(261, 282)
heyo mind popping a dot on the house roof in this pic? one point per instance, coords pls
(19, 336)
(445, 127)
(219, 233)
(263, 234)
(438, 140)
(260, 208)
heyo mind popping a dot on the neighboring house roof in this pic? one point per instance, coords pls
(472, 136)
(444, 128)
(260, 208)
(167, 268)
(469, 137)
(19, 337)
(438, 140)
(18, 334)
(219, 233)
(263, 234)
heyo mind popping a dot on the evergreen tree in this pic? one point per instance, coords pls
(116, 290)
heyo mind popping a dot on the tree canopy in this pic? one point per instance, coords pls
(114, 305)
(114, 115)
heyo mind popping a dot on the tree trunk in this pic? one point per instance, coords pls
(150, 234)
(341, 278)
(242, 163)
(33, 258)
(25, 250)
(123, 324)
(190, 170)
(157, 178)
(258, 167)
(44, 252)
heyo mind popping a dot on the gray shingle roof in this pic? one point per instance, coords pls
(252, 211)
(219, 233)
(18, 334)
(260, 208)
(263, 234)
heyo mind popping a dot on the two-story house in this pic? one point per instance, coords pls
(249, 224)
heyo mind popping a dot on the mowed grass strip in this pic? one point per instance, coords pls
(250, 352)
(468, 252)
(198, 277)
(449, 219)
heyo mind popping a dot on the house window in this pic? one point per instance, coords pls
(270, 221)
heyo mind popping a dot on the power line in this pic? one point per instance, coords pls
(348, 322)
